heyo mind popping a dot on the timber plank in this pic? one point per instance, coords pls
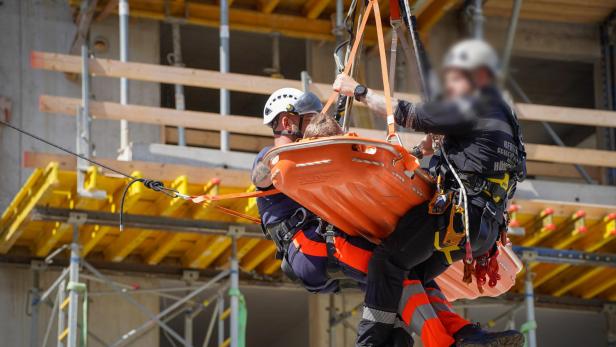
(266, 85)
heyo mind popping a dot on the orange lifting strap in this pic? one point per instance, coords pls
(372, 5)
(362, 186)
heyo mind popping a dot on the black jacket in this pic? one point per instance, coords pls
(482, 134)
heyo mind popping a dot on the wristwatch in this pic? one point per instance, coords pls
(360, 92)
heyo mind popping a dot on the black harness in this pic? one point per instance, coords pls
(282, 234)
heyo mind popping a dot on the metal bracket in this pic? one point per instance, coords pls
(77, 218)
(529, 256)
(38, 265)
(516, 231)
(190, 275)
(236, 230)
(610, 313)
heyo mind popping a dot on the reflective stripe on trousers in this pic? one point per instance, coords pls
(417, 312)
(378, 316)
(450, 319)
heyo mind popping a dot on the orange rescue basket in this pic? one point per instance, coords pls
(454, 289)
(362, 186)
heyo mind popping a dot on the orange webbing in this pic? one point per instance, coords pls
(231, 212)
(245, 195)
(372, 5)
(391, 126)
(258, 193)
(358, 37)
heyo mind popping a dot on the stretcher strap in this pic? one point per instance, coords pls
(256, 194)
(372, 5)
(391, 126)
(358, 38)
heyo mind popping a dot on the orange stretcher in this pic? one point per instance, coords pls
(373, 181)
(454, 289)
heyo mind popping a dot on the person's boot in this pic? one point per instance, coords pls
(473, 336)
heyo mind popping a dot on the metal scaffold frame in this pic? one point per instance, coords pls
(71, 293)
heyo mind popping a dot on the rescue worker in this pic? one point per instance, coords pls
(306, 259)
(300, 236)
(482, 146)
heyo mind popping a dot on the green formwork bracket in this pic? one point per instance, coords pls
(526, 327)
(79, 287)
(243, 316)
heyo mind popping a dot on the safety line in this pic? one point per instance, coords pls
(154, 185)
(66, 150)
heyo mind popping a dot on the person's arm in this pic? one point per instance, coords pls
(441, 117)
(260, 175)
(346, 85)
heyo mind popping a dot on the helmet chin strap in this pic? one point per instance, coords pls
(297, 134)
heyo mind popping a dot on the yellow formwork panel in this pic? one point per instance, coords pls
(205, 251)
(35, 191)
(244, 245)
(604, 280)
(599, 235)
(269, 267)
(264, 250)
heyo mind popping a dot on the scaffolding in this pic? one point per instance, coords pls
(43, 203)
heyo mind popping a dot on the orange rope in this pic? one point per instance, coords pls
(372, 5)
(391, 126)
(258, 193)
(347, 68)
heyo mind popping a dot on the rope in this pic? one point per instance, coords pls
(154, 185)
(373, 5)
(347, 68)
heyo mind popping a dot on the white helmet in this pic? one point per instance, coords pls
(472, 54)
(280, 101)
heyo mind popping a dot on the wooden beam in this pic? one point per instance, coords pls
(264, 250)
(36, 190)
(568, 115)
(539, 169)
(431, 13)
(268, 6)
(84, 20)
(179, 75)
(314, 8)
(107, 10)
(576, 13)
(571, 155)
(252, 125)
(159, 171)
(207, 15)
(211, 139)
(266, 85)
(162, 247)
(188, 119)
(205, 251)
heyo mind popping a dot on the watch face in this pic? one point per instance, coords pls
(360, 91)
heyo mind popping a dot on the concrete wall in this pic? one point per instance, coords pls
(109, 316)
(47, 26)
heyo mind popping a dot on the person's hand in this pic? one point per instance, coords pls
(426, 145)
(345, 85)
